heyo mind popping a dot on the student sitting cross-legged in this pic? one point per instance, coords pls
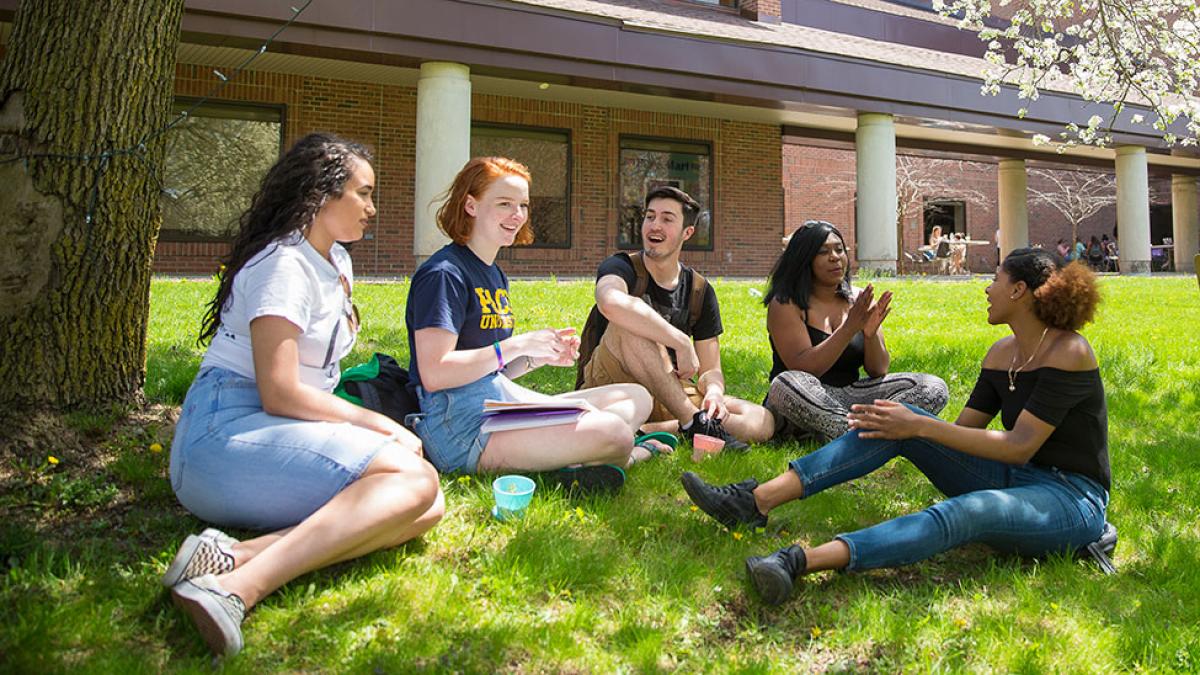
(1040, 485)
(822, 332)
(461, 321)
(262, 443)
(663, 324)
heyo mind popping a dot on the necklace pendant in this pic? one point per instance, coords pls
(1012, 387)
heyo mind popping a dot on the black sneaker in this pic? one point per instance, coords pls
(701, 424)
(731, 505)
(774, 576)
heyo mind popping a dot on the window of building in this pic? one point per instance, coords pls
(649, 163)
(547, 153)
(951, 216)
(215, 161)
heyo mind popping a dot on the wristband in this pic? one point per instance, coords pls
(499, 356)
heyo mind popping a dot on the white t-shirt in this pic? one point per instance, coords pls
(289, 279)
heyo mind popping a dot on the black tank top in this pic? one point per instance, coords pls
(843, 372)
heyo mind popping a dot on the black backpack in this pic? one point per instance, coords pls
(596, 324)
(380, 385)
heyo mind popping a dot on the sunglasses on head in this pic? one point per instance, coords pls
(816, 223)
(349, 309)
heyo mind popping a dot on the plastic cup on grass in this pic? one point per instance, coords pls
(513, 494)
(704, 445)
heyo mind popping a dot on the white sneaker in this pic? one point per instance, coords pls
(210, 552)
(217, 613)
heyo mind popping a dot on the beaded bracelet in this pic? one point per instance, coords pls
(499, 355)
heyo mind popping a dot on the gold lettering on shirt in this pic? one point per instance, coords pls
(495, 310)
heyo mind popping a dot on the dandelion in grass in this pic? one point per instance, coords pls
(464, 480)
(52, 460)
(695, 508)
(815, 632)
(961, 623)
(156, 447)
(737, 536)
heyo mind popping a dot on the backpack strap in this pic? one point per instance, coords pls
(696, 300)
(643, 275)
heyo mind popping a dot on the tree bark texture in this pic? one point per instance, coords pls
(80, 78)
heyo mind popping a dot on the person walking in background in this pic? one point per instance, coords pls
(262, 443)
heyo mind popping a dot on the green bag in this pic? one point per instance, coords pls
(380, 385)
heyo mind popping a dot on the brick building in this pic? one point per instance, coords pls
(770, 111)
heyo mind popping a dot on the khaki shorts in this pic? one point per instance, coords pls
(605, 368)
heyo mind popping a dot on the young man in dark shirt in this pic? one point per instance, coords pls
(651, 340)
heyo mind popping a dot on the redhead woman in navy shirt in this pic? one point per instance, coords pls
(464, 349)
(1039, 485)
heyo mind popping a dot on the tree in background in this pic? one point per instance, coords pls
(1077, 195)
(918, 178)
(1119, 52)
(83, 88)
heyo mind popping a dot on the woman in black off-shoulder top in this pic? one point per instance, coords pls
(1040, 485)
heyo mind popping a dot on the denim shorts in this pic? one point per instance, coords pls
(234, 465)
(451, 418)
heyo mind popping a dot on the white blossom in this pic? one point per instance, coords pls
(1143, 53)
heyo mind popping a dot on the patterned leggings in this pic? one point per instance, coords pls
(804, 407)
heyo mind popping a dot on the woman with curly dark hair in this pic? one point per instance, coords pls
(262, 443)
(1038, 486)
(823, 333)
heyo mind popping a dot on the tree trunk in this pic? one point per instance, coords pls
(77, 235)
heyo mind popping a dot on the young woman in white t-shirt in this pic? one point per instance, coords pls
(262, 443)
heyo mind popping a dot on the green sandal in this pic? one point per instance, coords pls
(664, 437)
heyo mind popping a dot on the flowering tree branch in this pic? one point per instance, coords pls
(1116, 52)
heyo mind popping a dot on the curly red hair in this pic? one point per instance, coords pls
(1065, 296)
(1069, 297)
(474, 179)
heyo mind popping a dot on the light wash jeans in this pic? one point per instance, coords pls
(1029, 509)
(232, 464)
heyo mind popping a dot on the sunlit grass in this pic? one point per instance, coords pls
(640, 582)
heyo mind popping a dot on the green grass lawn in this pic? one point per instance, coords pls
(640, 581)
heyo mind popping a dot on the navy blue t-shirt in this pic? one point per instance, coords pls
(458, 292)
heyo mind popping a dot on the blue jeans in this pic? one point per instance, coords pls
(1029, 509)
(235, 465)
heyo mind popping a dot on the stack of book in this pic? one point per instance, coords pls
(508, 415)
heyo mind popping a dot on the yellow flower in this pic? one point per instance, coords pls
(222, 268)
(156, 447)
(961, 623)
(737, 536)
(695, 508)
(463, 480)
(52, 459)
(815, 632)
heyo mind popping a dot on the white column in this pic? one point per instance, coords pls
(875, 229)
(443, 146)
(1014, 211)
(1133, 210)
(1185, 224)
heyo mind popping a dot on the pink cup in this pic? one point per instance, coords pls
(703, 446)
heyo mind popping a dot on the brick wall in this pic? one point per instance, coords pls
(748, 189)
(819, 183)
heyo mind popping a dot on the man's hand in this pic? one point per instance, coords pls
(687, 364)
(714, 403)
